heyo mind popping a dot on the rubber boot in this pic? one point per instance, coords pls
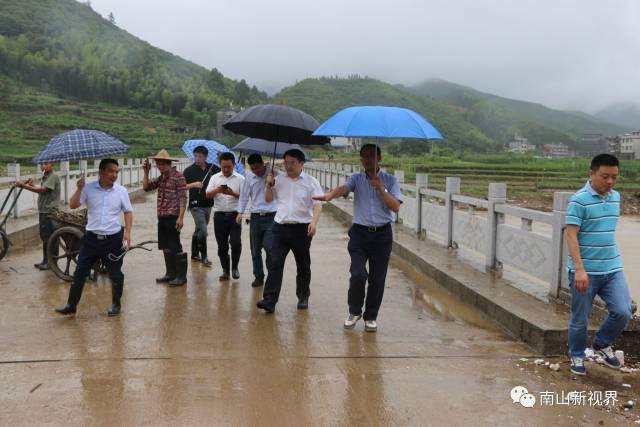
(44, 257)
(170, 264)
(181, 270)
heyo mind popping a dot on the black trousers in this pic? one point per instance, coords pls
(373, 247)
(227, 232)
(168, 235)
(91, 250)
(289, 237)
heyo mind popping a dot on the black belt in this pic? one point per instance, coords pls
(234, 213)
(294, 224)
(104, 236)
(373, 229)
(263, 213)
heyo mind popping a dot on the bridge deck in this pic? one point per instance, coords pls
(203, 354)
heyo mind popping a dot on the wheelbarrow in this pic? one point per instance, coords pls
(4, 237)
(63, 247)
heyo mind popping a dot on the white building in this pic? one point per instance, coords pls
(521, 145)
(556, 150)
(630, 145)
(347, 145)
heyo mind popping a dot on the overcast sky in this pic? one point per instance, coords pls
(570, 54)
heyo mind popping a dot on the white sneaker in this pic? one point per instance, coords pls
(370, 325)
(351, 321)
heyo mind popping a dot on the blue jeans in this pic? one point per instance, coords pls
(201, 219)
(613, 289)
(261, 237)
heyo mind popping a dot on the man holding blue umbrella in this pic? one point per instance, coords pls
(376, 196)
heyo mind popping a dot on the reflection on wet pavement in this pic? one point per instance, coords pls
(204, 355)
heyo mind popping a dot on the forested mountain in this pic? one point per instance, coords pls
(324, 96)
(500, 118)
(64, 47)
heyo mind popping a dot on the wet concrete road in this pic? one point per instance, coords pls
(204, 355)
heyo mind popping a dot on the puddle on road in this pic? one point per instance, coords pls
(428, 295)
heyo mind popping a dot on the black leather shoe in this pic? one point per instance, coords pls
(224, 275)
(44, 266)
(114, 310)
(206, 262)
(266, 305)
(303, 304)
(257, 283)
(66, 310)
(235, 273)
(39, 265)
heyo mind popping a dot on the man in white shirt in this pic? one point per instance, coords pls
(262, 214)
(224, 188)
(296, 220)
(105, 200)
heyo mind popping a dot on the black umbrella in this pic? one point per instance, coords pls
(266, 148)
(278, 123)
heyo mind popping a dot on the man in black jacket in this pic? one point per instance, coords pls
(198, 176)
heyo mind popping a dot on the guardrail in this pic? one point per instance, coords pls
(499, 234)
(130, 175)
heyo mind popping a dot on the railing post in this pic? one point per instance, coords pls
(399, 174)
(96, 164)
(452, 186)
(422, 182)
(138, 167)
(130, 166)
(65, 170)
(497, 195)
(82, 165)
(121, 166)
(13, 170)
(560, 202)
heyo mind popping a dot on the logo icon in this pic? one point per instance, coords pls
(521, 395)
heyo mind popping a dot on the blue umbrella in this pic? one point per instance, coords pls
(215, 148)
(378, 122)
(266, 148)
(80, 144)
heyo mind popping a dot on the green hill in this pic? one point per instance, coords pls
(500, 118)
(64, 48)
(29, 118)
(323, 97)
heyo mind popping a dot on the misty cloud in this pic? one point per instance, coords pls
(573, 54)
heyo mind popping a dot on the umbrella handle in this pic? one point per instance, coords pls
(273, 158)
(205, 176)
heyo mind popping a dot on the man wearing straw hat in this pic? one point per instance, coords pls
(376, 195)
(171, 205)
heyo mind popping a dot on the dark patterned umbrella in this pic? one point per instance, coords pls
(80, 144)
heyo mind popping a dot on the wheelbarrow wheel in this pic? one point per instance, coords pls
(63, 248)
(4, 243)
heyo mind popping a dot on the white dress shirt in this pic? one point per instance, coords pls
(104, 207)
(294, 198)
(225, 202)
(253, 189)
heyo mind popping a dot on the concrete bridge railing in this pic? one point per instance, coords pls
(131, 175)
(492, 233)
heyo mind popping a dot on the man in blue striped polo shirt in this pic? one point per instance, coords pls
(595, 267)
